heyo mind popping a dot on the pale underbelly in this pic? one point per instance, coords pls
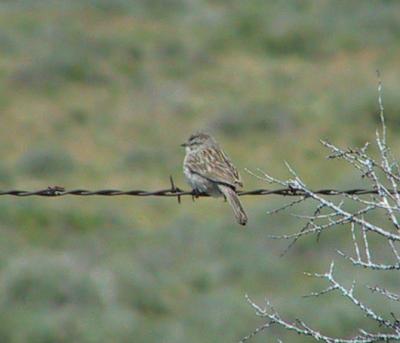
(201, 184)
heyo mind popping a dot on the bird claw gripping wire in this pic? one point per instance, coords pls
(195, 194)
(53, 191)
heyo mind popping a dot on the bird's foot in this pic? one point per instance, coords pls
(195, 194)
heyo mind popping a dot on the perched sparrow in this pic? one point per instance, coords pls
(208, 170)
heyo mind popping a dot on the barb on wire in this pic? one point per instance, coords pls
(174, 191)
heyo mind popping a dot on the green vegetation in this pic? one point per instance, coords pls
(100, 93)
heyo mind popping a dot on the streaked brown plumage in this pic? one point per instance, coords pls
(209, 170)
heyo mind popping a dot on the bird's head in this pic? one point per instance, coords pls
(198, 140)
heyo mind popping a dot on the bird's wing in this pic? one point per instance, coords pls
(215, 166)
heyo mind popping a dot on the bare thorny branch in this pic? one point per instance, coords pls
(384, 178)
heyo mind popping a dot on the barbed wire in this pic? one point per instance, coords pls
(173, 191)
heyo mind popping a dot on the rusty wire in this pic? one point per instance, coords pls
(173, 191)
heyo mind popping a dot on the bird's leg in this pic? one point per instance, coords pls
(195, 194)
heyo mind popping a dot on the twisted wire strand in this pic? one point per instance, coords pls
(173, 191)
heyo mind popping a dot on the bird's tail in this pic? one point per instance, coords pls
(234, 201)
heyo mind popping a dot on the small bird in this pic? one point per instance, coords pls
(208, 170)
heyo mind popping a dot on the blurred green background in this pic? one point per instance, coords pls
(100, 93)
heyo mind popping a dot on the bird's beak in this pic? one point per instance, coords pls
(184, 145)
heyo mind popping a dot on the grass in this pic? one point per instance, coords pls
(100, 93)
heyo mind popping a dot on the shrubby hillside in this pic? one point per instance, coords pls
(100, 93)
